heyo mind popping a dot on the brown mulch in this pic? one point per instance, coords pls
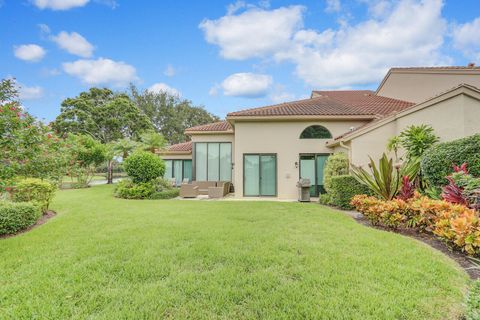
(460, 257)
(44, 218)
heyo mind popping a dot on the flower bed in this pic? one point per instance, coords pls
(454, 223)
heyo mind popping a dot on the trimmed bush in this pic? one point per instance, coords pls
(336, 165)
(166, 194)
(15, 217)
(437, 161)
(155, 189)
(473, 302)
(127, 189)
(34, 190)
(144, 166)
(343, 189)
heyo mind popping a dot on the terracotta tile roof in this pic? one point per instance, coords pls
(438, 68)
(332, 103)
(182, 147)
(216, 126)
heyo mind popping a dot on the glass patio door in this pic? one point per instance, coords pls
(311, 167)
(260, 175)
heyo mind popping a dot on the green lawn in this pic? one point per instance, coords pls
(106, 258)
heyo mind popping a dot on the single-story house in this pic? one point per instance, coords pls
(265, 151)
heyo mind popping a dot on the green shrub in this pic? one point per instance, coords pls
(144, 166)
(437, 161)
(34, 190)
(127, 189)
(155, 189)
(166, 194)
(336, 165)
(343, 188)
(17, 216)
(326, 199)
(473, 302)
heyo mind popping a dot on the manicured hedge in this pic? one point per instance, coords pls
(144, 166)
(437, 161)
(34, 190)
(336, 165)
(342, 190)
(473, 302)
(155, 189)
(15, 217)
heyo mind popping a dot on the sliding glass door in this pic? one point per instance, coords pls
(213, 161)
(311, 167)
(179, 170)
(259, 175)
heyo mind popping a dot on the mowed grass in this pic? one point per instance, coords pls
(106, 258)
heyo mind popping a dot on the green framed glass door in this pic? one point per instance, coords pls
(311, 167)
(259, 175)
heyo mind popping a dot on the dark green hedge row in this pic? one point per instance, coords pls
(343, 188)
(15, 217)
(155, 189)
(437, 162)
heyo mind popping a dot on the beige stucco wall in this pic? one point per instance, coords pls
(282, 138)
(451, 119)
(419, 86)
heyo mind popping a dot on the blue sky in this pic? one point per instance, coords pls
(225, 55)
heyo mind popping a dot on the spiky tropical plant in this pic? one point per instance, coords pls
(394, 144)
(384, 180)
(417, 139)
(152, 141)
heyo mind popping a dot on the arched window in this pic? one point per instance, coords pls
(316, 132)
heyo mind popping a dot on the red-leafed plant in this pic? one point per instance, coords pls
(407, 190)
(462, 168)
(453, 193)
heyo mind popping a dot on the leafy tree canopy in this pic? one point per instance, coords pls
(170, 114)
(102, 114)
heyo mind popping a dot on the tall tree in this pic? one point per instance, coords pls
(104, 115)
(170, 114)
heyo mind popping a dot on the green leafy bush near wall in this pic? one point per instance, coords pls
(144, 166)
(15, 217)
(336, 165)
(34, 190)
(473, 302)
(343, 188)
(437, 161)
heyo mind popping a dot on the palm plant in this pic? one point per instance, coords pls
(385, 180)
(124, 147)
(394, 144)
(152, 141)
(417, 139)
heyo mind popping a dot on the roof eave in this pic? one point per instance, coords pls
(302, 117)
(205, 132)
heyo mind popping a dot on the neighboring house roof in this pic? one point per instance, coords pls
(184, 146)
(331, 103)
(459, 89)
(179, 148)
(216, 127)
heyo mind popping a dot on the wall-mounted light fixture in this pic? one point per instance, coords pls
(296, 164)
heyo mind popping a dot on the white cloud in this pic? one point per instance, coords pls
(170, 71)
(410, 35)
(74, 43)
(163, 87)
(101, 71)
(253, 33)
(407, 33)
(59, 4)
(29, 93)
(247, 85)
(466, 37)
(333, 6)
(29, 52)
